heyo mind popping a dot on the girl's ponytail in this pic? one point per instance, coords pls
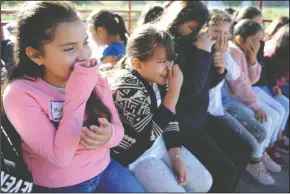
(123, 33)
(112, 22)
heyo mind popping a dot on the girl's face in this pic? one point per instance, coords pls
(187, 28)
(246, 45)
(100, 35)
(219, 28)
(68, 46)
(155, 69)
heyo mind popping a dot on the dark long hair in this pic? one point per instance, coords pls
(112, 22)
(246, 28)
(281, 49)
(248, 13)
(151, 14)
(35, 27)
(180, 12)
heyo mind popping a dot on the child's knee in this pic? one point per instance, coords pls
(285, 104)
(268, 126)
(202, 185)
(281, 110)
(208, 181)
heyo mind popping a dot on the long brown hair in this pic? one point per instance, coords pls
(35, 27)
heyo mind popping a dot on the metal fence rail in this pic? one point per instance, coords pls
(128, 20)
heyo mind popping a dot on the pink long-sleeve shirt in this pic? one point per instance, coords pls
(249, 75)
(54, 156)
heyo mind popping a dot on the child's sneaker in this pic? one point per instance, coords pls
(270, 164)
(282, 146)
(275, 156)
(259, 172)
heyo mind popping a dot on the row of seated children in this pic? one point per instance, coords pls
(161, 113)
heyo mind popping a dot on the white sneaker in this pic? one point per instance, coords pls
(259, 172)
(270, 164)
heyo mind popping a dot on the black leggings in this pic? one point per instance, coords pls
(230, 142)
(224, 166)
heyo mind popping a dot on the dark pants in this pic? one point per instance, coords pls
(230, 142)
(205, 149)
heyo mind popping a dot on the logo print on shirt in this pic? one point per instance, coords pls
(56, 107)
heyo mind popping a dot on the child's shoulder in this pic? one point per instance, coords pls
(23, 83)
(124, 77)
(116, 48)
(21, 87)
(233, 48)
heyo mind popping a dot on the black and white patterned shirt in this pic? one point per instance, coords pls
(142, 119)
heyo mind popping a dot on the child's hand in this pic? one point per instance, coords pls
(204, 42)
(277, 91)
(219, 62)
(253, 52)
(178, 165)
(175, 79)
(222, 43)
(97, 136)
(261, 115)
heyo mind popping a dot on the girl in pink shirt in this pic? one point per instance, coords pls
(54, 89)
(244, 49)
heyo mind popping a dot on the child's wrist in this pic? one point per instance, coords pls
(171, 108)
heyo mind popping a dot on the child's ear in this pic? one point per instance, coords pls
(137, 64)
(239, 39)
(100, 30)
(34, 55)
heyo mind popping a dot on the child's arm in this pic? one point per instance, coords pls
(254, 67)
(116, 124)
(27, 116)
(232, 67)
(142, 126)
(196, 73)
(134, 107)
(254, 72)
(242, 87)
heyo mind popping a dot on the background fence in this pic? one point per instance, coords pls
(131, 10)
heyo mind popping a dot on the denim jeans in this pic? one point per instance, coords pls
(247, 127)
(285, 104)
(279, 106)
(115, 178)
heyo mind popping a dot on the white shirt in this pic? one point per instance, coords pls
(215, 95)
(158, 149)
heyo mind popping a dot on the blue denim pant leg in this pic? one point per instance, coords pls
(88, 186)
(284, 102)
(225, 96)
(117, 178)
